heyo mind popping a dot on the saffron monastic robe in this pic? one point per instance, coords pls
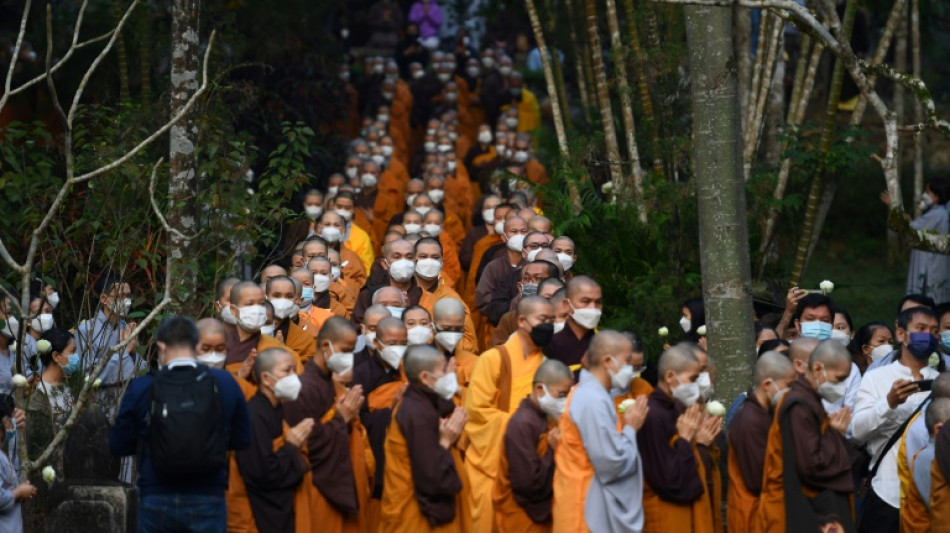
(939, 488)
(748, 437)
(502, 376)
(572, 474)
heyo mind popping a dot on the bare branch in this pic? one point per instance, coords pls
(158, 212)
(16, 52)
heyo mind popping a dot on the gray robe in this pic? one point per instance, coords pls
(929, 273)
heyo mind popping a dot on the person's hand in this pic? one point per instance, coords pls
(840, 420)
(133, 344)
(636, 414)
(348, 406)
(298, 434)
(451, 366)
(708, 430)
(25, 491)
(248, 365)
(688, 423)
(280, 337)
(450, 429)
(19, 415)
(554, 436)
(791, 299)
(900, 391)
(886, 198)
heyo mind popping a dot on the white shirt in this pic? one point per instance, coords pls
(873, 422)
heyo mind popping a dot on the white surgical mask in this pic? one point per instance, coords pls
(499, 227)
(436, 195)
(488, 62)
(558, 326)
(432, 229)
(880, 351)
(472, 72)
(379, 159)
(686, 393)
(335, 271)
(521, 156)
(395, 311)
(685, 324)
(351, 173)
(422, 209)
(484, 137)
(448, 340)
(622, 378)
(401, 270)
(705, 383)
(42, 323)
(268, 330)
(566, 261)
(488, 215)
(412, 228)
(331, 234)
(516, 242)
(511, 122)
(53, 299)
(252, 317)
(313, 211)
(333, 190)
(419, 335)
(347, 215)
(11, 327)
(321, 283)
(500, 148)
(410, 199)
(122, 307)
(832, 392)
(212, 359)
(418, 74)
(392, 355)
(553, 407)
(533, 254)
(368, 180)
(284, 307)
(841, 337)
(387, 150)
(428, 268)
(227, 316)
(504, 71)
(288, 387)
(587, 318)
(429, 146)
(339, 362)
(446, 386)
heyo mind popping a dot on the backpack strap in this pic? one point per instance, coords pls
(504, 379)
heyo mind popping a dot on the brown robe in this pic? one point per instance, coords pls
(939, 488)
(524, 485)
(748, 437)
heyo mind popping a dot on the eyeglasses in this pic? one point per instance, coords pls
(535, 246)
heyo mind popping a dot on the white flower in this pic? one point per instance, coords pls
(43, 346)
(49, 475)
(250, 191)
(663, 331)
(933, 360)
(715, 408)
(607, 187)
(97, 383)
(826, 287)
(626, 404)
(19, 381)
(701, 330)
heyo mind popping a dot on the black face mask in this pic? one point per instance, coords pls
(541, 334)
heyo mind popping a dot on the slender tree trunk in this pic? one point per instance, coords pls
(578, 62)
(762, 82)
(720, 192)
(742, 43)
(776, 110)
(640, 65)
(556, 69)
(145, 53)
(894, 248)
(121, 54)
(631, 185)
(183, 179)
(890, 27)
(811, 225)
(603, 97)
(548, 77)
(918, 108)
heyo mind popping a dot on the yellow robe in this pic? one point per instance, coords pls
(360, 243)
(498, 384)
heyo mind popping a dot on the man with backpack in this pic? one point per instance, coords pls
(181, 421)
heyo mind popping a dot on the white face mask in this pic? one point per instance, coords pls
(553, 407)
(368, 180)
(880, 351)
(321, 283)
(488, 215)
(422, 210)
(432, 229)
(533, 254)
(488, 62)
(705, 383)
(42, 323)
(284, 307)
(313, 211)
(622, 378)
(333, 190)
(252, 317)
(445, 148)
(436, 195)
(419, 335)
(369, 338)
(53, 299)
(347, 215)
(268, 330)
(504, 71)
(472, 72)
(122, 307)
(484, 137)
(831, 392)
(212, 359)
(685, 324)
(446, 386)
(401, 270)
(521, 156)
(410, 199)
(351, 173)
(499, 227)
(339, 362)
(558, 326)
(331, 234)
(586, 318)
(566, 261)
(511, 122)
(686, 393)
(227, 316)
(288, 388)
(448, 340)
(429, 146)
(418, 74)
(387, 150)
(11, 327)
(392, 355)
(516, 242)
(379, 159)
(501, 148)
(336, 272)
(412, 228)
(428, 268)
(841, 337)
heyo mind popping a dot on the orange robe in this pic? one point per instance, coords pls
(535, 172)
(343, 292)
(456, 230)
(914, 515)
(389, 202)
(317, 315)
(300, 342)
(502, 376)
(939, 500)
(351, 267)
(451, 266)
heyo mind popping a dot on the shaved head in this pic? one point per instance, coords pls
(387, 325)
(605, 344)
(540, 223)
(941, 388)
(421, 358)
(389, 294)
(530, 304)
(268, 359)
(938, 412)
(553, 372)
(774, 366)
(211, 326)
(272, 271)
(238, 289)
(678, 358)
(375, 313)
(831, 354)
(448, 308)
(802, 348)
(579, 283)
(335, 329)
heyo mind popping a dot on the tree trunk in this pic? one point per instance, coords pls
(183, 177)
(918, 108)
(603, 96)
(579, 53)
(776, 109)
(548, 78)
(556, 69)
(121, 54)
(811, 227)
(631, 185)
(742, 43)
(894, 248)
(761, 83)
(720, 193)
(893, 19)
(640, 69)
(145, 53)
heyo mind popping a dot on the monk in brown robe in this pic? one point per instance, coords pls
(939, 488)
(321, 270)
(424, 486)
(282, 292)
(486, 206)
(748, 436)
(524, 488)
(382, 381)
(332, 230)
(674, 444)
(807, 454)
(509, 321)
(273, 467)
(330, 499)
(501, 378)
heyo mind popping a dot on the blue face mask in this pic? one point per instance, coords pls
(308, 293)
(396, 311)
(72, 365)
(816, 330)
(922, 344)
(945, 340)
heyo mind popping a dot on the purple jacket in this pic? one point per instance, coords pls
(428, 22)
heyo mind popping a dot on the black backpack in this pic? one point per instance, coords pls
(187, 438)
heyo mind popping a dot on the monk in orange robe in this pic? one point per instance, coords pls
(335, 485)
(501, 377)
(282, 294)
(748, 437)
(450, 319)
(424, 485)
(939, 488)
(523, 490)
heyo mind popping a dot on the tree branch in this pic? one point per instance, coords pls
(158, 212)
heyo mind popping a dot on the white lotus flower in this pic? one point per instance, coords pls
(19, 381)
(626, 404)
(43, 346)
(663, 331)
(701, 330)
(49, 474)
(715, 408)
(826, 287)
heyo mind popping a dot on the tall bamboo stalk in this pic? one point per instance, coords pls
(122, 55)
(640, 70)
(632, 182)
(579, 54)
(603, 96)
(556, 65)
(815, 192)
(918, 108)
(145, 54)
(776, 106)
(762, 82)
(546, 61)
